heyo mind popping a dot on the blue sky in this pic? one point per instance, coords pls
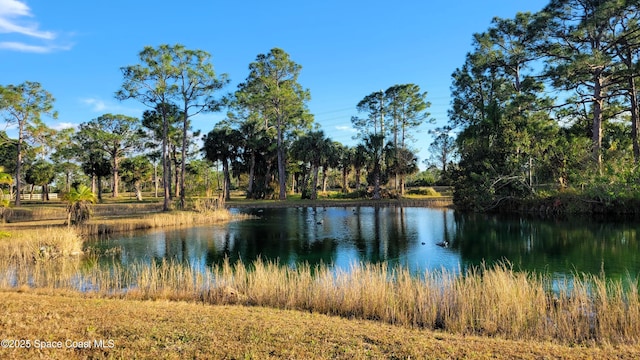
(347, 49)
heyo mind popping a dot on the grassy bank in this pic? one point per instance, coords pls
(180, 330)
(152, 221)
(127, 219)
(488, 301)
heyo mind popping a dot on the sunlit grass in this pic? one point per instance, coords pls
(28, 244)
(155, 220)
(489, 301)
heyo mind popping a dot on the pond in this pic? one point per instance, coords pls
(417, 238)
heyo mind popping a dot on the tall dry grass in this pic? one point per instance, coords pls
(155, 220)
(29, 244)
(493, 301)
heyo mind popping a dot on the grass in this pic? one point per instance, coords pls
(25, 245)
(495, 302)
(179, 330)
(154, 220)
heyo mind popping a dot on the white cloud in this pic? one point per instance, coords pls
(14, 19)
(18, 46)
(97, 105)
(64, 125)
(346, 128)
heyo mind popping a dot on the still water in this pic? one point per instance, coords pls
(417, 238)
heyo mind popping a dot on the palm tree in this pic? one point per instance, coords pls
(78, 208)
(359, 160)
(221, 144)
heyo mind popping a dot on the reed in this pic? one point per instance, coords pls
(154, 220)
(34, 244)
(489, 301)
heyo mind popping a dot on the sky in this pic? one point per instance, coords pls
(347, 49)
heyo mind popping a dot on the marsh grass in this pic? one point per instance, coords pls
(488, 301)
(155, 220)
(25, 245)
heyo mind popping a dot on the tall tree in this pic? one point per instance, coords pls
(64, 155)
(22, 105)
(313, 148)
(221, 144)
(136, 170)
(627, 51)
(153, 83)
(197, 83)
(407, 107)
(115, 135)
(579, 46)
(154, 120)
(443, 147)
(359, 161)
(373, 105)
(499, 110)
(345, 164)
(40, 173)
(374, 146)
(272, 90)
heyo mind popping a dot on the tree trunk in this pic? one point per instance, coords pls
(282, 176)
(165, 162)
(252, 167)
(115, 175)
(93, 183)
(345, 182)
(597, 119)
(136, 186)
(633, 98)
(227, 179)
(183, 167)
(314, 181)
(18, 166)
(324, 179)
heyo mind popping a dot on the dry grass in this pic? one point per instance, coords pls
(27, 245)
(179, 330)
(155, 220)
(489, 301)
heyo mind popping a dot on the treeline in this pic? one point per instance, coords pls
(268, 139)
(547, 103)
(544, 105)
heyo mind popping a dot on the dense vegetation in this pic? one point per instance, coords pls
(544, 110)
(547, 103)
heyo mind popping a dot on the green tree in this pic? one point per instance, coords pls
(498, 108)
(272, 90)
(312, 148)
(359, 161)
(374, 146)
(153, 83)
(220, 144)
(22, 105)
(65, 152)
(79, 202)
(345, 164)
(579, 49)
(136, 170)
(442, 147)
(406, 106)
(401, 162)
(97, 166)
(41, 173)
(197, 84)
(153, 121)
(115, 135)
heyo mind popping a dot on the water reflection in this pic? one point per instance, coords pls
(418, 238)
